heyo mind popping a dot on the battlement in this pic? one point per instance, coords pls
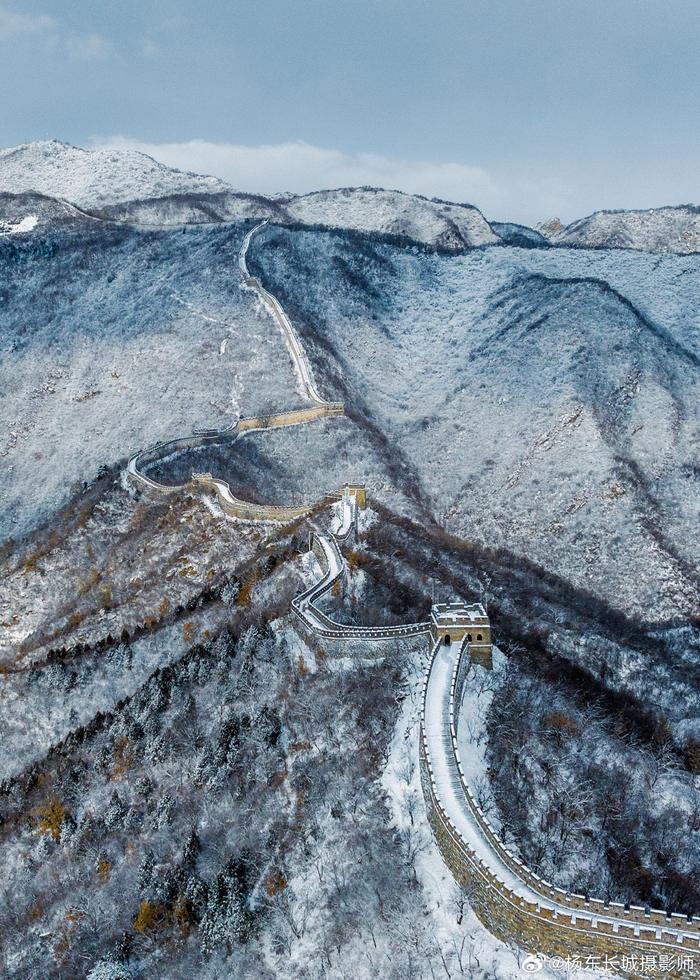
(356, 490)
(453, 622)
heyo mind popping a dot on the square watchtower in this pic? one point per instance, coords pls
(452, 622)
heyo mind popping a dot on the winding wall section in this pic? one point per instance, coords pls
(509, 898)
(333, 568)
(319, 408)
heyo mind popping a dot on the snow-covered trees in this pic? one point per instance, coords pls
(256, 826)
(588, 803)
(224, 920)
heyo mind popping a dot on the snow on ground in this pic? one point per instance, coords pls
(33, 212)
(477, 695)
(297, 464)
(449, 788)
(28, 223)
(674, 229)
(156, 194)
(125, 348)
(396, 213)
(89, 178)
(33, 717)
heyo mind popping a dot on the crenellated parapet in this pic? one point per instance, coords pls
(510, 899)
(319, 409)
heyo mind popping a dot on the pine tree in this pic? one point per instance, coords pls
(191, 849)
(116, 812)
(268, 726)
(224, 917)
(145, 875)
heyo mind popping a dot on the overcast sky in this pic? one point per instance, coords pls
(526, 108)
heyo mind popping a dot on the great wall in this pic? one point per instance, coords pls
(510, 899)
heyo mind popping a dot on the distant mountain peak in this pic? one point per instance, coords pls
(440, 223)
(550, 228)
(668, 229)
(91, 178)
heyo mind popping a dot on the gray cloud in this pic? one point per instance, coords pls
(88, 47)
(300, 167)
(13, 24)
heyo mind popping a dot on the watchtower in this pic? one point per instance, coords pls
(359, 492)
(452, 622)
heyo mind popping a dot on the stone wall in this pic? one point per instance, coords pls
(319, 408)
(234, 506)
(323, 625)
(537, 927)
(245, 510)
(296, 416)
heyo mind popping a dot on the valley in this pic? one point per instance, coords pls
(524, 420)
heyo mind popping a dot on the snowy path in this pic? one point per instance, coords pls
(440, 715)
(317, 621)
(296, 350)
(347, 516)
(444, 763)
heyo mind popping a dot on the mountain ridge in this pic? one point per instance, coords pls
(73, 173)
(133, 187)
(671, 228)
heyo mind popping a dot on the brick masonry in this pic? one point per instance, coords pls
(538, 928)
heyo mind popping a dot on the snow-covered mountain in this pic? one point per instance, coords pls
(129, 186)
(440, 223)
(90, 178)
(540, 400)
(673, 229)
(525, 418)
(125, 185)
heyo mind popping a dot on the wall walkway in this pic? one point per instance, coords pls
(333, 567)
(320, 408)
(509, 898)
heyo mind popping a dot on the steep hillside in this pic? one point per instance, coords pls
(114, 338)
(286, 466)
(528, 402)
(540, 400)
(177, 754)
(658, 230)
(439, 223)
(90, 178)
